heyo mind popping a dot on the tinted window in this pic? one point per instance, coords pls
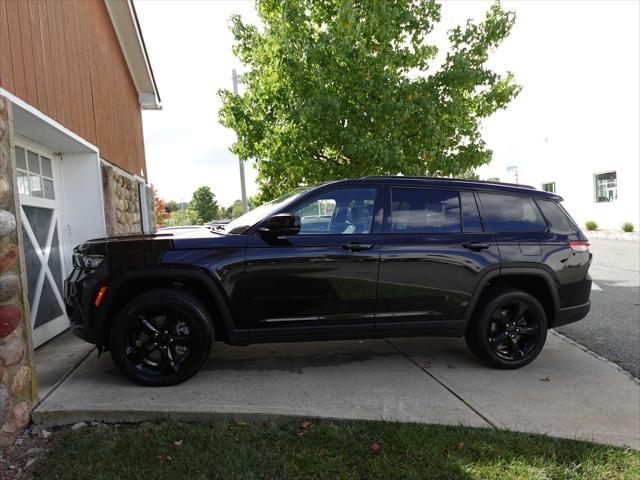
(509, 213)
(560, 223)
(418, 210)
(346, 211)
(470, 216)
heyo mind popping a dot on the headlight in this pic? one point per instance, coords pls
(84, 261)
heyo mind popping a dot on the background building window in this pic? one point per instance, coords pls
(606, 187)
(549, 187)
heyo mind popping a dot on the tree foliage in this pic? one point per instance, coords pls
(172, 206)
(203, 205)
(160, 207)
(338, 89)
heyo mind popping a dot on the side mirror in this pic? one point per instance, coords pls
(282, 224)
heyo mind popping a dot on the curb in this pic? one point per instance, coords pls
(596, 355)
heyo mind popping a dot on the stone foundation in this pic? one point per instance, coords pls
(17, 381)
(121, 203)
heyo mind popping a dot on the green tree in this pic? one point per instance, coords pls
(171, 206)
(469, 175)
(338, 89)
(204, 205)
(236, 209)
(180, 217)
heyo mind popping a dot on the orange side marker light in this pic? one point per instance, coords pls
(100, 296)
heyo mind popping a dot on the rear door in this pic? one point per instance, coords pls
(433, 255)
(325, 276)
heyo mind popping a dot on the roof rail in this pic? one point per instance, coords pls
(449, 179)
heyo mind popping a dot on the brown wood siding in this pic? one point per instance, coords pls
(63, 58)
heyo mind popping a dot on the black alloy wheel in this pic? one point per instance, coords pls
(509, 330)
(514, 330)
(162, 337)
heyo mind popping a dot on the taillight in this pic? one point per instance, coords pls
(579, 246)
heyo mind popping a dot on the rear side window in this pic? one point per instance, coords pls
(560, 223)
(470, 216)
(510, 213)
(419, 210)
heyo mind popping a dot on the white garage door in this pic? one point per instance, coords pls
(37, 171)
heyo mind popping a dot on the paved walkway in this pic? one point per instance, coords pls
(567, 392)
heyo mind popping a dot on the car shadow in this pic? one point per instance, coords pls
(280, 359)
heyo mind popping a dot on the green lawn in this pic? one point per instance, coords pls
(236, 450)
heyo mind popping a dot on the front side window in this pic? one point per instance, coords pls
(510, 213)
(344, 211)
(606, 187)
(419, 210)
(549, 187)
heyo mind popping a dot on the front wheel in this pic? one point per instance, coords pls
(161, 338)
(509, 330)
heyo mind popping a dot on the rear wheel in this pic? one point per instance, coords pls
(163, 337)
(509, 329)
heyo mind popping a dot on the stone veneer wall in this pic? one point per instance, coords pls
(121, 203)
(17, 382)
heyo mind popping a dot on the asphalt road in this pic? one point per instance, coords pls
(612, 328)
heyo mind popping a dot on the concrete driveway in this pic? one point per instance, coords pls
(566, 392)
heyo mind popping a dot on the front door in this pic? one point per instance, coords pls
(323, 277)
(37, 174)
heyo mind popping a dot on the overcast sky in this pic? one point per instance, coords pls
(577, 61)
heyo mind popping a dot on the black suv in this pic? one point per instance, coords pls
(372, 257)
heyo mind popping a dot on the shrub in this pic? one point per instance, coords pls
(591, 225)
(627, 227)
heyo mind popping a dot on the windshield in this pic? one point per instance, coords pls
(249, 219)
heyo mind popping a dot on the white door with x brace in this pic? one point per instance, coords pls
(38, 184)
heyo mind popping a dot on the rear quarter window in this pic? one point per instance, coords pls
(560, 222)
(511, 213)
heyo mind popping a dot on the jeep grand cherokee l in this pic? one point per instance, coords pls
(373, 257)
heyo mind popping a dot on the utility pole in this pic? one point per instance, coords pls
(245, 207)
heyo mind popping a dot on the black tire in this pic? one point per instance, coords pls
(161, 338)
(496, 333)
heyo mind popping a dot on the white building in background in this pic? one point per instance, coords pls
(575, 127)
(600, 186)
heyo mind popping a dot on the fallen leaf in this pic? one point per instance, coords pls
(239, 422)
(299, 434)
(375, 447)
(545, 379)
(177, 444)
(448, 454)
(164, 458)
(460, 445)
(306, 424)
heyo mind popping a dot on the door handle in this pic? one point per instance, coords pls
(357, 247)
(476, 246)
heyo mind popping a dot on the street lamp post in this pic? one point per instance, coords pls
(245, 207)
